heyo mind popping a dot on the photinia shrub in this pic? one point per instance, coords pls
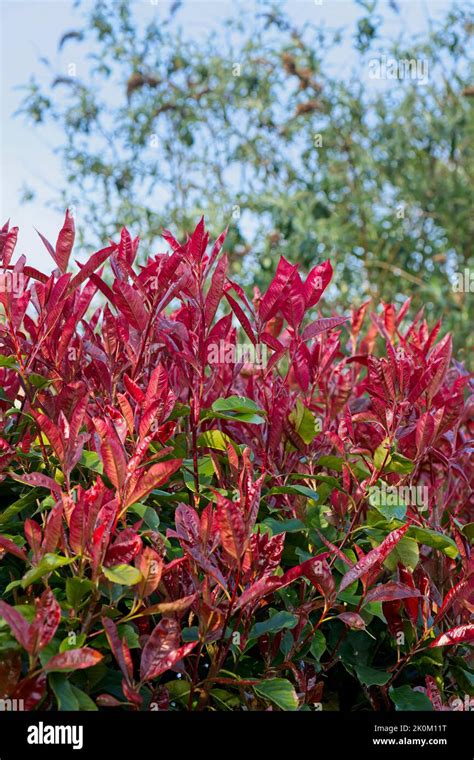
(211, 501)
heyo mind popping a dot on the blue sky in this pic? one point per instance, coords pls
(32, 28)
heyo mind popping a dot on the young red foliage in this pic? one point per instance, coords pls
(178, 506)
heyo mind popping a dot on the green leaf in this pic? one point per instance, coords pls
(406, 552)
(284, 526)
(236, 404)
(371, 676)
(49, 563)
(405, 698)
(237, 408)
(179, 410)
(76, 590)
(91, 461)
(125, 575)
(205, 469)
(9, 361)
(305, 422)
(147, 514)
(12, 585)
(434, 539)
(38, 380)
(68, 697)
(299, 490)
(329, 480)
(85, 703)
(382, 455)
(318, 645)
(400, 464)
(216, 439)
(62, 689)
(126, 631)
(468, 531)
(331, 462)
(392, 512)
(190, 634)
(276, 623)
(179, 690)
(19, 505)
(66, 644)
(279, 691)
(225, 700)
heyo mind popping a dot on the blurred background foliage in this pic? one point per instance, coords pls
(254, 130)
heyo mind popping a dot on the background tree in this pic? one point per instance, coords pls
(254, 130)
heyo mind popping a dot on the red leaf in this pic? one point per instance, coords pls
(216, 249)
(242, 317)
(188, 532)
(125, 547)
(457, 592)
(215, 291)
(73, 659)
(133, 389)
(115, 463)
(34, 536)
(272, 299)
(335, 549)
(93, 263)
(10, 671)
(35, 274)
(322, 325)
(166, 608)
(43, 627)
(153, 478)
(301, 366)
(317, 282)
(150, 565)
(433, 694)
(257, 590)
(462, 634)
(158, 386)
(162, 651)
(317, 571)
(77, 529)
(198, 241)
(232, 528)
(48, 246)
(374, 557)
(424, 381)
(18, 624)
(125, 248)
(352, 619)
(12, 548)
(390, 591)
(131, 305)
(411, 605)
(37, 479)
(65, 242)
(119, 647)
(52, 433)
(293, 305)
(9, 246)
(31, 690)
(425, 429)
(52, 531)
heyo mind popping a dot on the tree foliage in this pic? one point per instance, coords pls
(286, 534)
(254, 127)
